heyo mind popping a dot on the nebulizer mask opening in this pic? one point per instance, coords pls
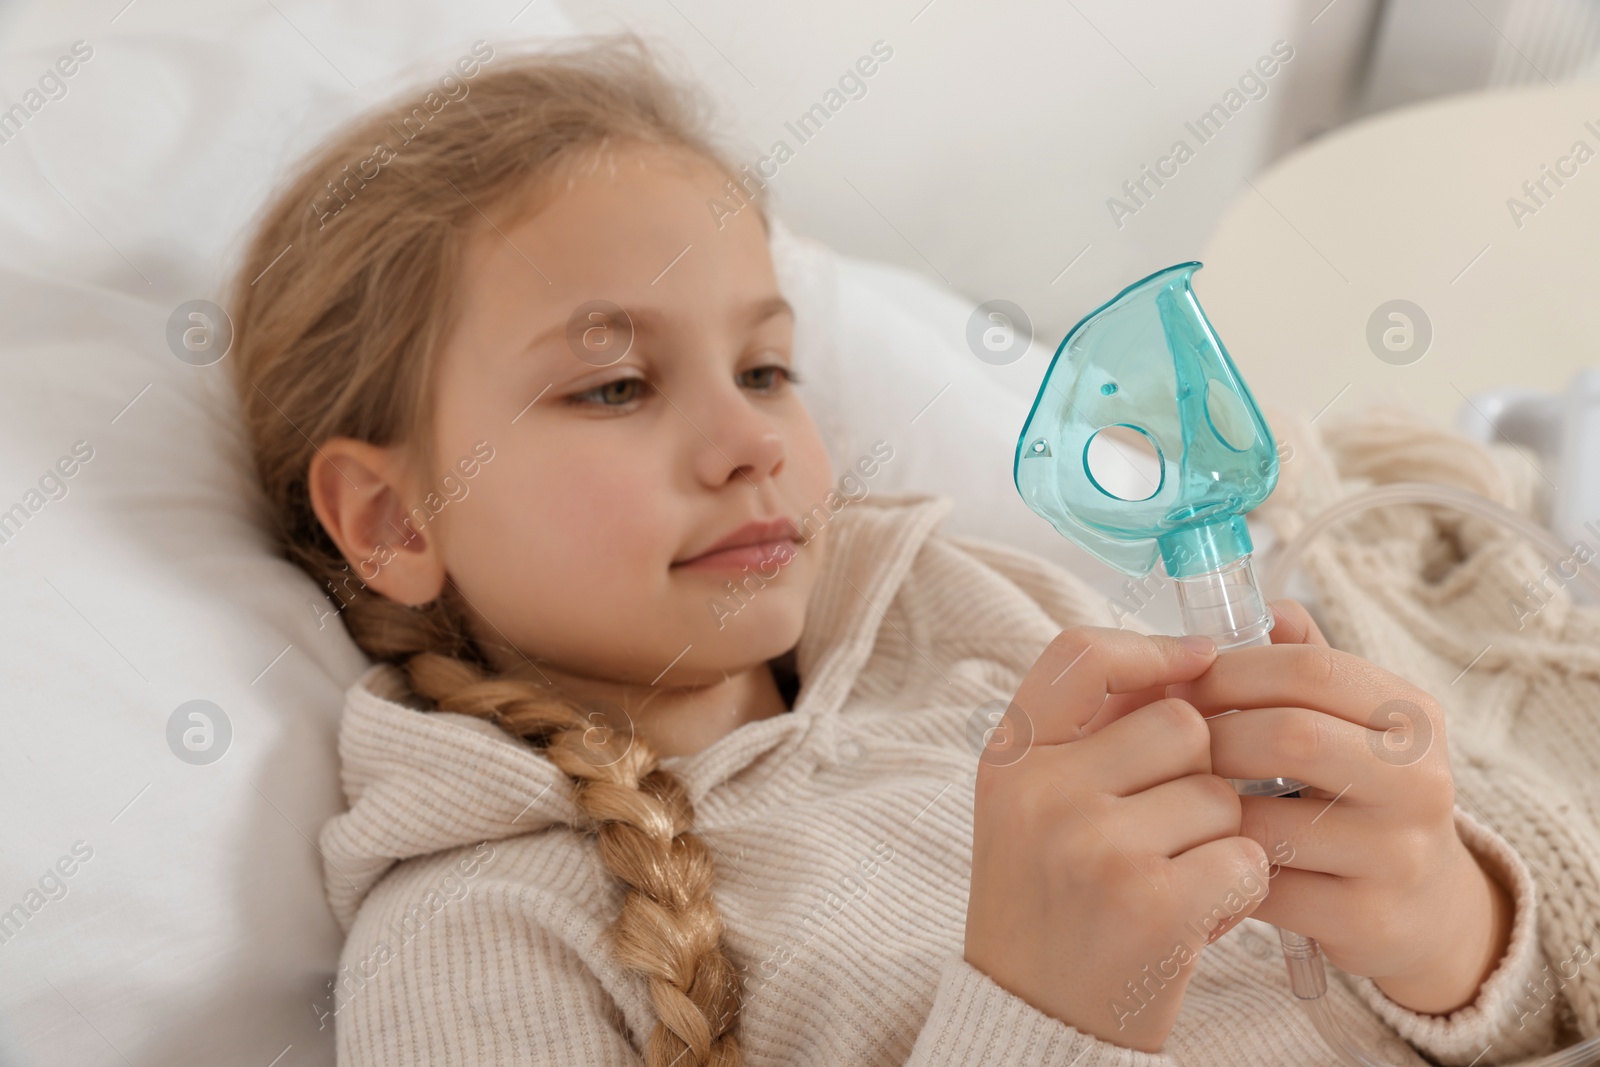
(1147, 367)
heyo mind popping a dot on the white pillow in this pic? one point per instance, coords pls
(171, 912)
(153, 910)
(190, 929)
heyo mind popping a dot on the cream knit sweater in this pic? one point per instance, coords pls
(477, 916)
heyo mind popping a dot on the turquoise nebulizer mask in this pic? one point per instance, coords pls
(1147, 366)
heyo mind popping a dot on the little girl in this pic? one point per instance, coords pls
(673, 754)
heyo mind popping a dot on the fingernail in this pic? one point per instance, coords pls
(1198, 643)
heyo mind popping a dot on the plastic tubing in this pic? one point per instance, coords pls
(1420, 493)
(1308, 977)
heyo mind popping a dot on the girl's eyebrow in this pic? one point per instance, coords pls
(762, 310)
(650, 320)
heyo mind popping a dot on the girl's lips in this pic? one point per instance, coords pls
(752, 557)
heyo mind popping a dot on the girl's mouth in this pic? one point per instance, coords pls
(744, 557)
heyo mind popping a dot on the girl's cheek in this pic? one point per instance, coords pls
(808, 448)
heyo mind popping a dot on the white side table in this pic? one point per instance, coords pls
(1414, 205)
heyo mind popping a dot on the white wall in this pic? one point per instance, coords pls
(984, 152)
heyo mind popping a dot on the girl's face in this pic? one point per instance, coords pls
(615, 461)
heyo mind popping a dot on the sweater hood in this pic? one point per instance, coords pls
(418, 781)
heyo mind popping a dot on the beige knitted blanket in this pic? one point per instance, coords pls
(478, 914)
(1467, 611)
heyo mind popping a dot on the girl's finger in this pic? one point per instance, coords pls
(1293, 624)
(1325, 836)
(1310, 676)
(1172, 817)
(1307, 902)
(1119, 705)
(1324, 751)
(1064, 695)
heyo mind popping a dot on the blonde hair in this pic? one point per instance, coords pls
(339, 339)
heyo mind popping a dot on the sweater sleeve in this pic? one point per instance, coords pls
(1507, 1021)
(974, 1022)
(426, 979)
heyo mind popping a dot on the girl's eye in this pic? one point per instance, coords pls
(789, 376)
(619, 392)
(607, 395)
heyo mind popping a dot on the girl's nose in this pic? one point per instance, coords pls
(748, 445)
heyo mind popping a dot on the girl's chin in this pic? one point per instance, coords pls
(745, 622)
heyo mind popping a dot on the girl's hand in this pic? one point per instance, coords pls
(1377, 874)
(1102, 840)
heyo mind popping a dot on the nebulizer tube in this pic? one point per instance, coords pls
(1148, 363)
(1420, 493)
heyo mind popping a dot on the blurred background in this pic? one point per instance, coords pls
(1396, 201)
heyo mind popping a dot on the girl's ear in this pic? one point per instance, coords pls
(358, 491)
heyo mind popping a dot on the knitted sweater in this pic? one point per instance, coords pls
(477, 916)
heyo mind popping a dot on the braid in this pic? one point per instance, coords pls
(669, 930)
